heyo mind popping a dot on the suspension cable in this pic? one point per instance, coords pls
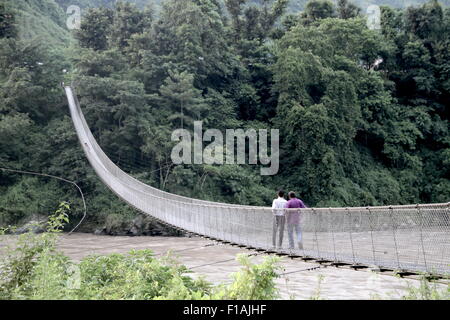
(58, 178)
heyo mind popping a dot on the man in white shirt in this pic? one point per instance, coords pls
(279, 220)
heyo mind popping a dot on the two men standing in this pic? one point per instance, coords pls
(287, 212)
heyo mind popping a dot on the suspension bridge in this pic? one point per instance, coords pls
(413, 238)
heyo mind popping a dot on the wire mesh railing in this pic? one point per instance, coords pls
(412, 238)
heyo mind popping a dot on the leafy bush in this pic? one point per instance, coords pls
(21, 265)
(253, 282)
(427, 291)
(137, 275)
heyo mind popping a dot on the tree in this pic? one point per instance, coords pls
(425, 21)
(179, 95)
(95, 29)
(251, 22)
(191, 33)
(8, 28)
(128, 21)
(347, 10)
(316, 10)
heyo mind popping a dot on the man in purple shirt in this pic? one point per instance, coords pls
(293, 220)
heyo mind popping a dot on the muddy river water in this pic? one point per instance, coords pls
(216, 262)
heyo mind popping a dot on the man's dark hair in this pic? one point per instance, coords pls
(292, 195)
(281, 194)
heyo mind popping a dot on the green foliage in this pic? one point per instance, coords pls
(28, 255)
(27, 197)
(94, 31)
(347, 10)
(317, 10)
(57, 221)
(137, 276)
(8, 27)
(183, 99)
(427, 291)
(254, 282)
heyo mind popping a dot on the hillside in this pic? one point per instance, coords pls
(42, 20)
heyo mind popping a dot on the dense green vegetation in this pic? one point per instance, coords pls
(353, 132)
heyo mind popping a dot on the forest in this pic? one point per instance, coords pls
(363, 114)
